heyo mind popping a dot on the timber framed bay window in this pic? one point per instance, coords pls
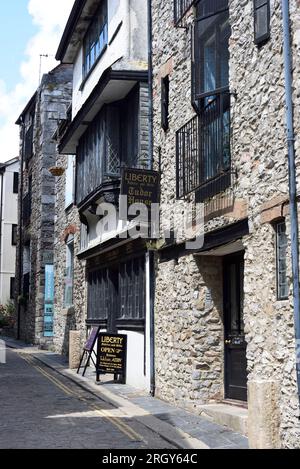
(110, 142)
(116, 295)
(95, 41)
(203, 144)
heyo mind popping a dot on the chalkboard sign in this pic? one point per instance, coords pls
(112, 355)
(88, 350)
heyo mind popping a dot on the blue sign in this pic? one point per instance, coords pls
(49, 301)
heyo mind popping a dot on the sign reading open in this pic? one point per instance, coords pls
(111, 355)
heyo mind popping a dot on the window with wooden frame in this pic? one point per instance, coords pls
(165, 87)
(14, 235)
(95, 41)
(116, 295)
(16, 183)
(262, 18)
(12, 287)
(281, 261)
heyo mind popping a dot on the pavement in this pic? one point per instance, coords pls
(133, 419)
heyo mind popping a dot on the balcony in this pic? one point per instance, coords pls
(26, 213)
(203, 154)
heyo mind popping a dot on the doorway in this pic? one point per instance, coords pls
(234, 334)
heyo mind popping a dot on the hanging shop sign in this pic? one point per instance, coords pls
(49, 301)
(112, 355)
(141, 186)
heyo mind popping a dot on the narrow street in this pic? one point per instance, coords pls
(44, 410)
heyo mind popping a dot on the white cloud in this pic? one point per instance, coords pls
(50, 18)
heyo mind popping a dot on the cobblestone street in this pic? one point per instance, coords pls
(40, 409)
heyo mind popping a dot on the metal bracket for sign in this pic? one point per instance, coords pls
(88, 351)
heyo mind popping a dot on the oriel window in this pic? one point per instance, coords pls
(281, 261)
(261, 21)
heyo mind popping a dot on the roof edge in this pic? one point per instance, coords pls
(69, 29)
(4, 165)
(25, 110)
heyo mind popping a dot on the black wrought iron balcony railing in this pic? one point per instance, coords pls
(181, 7)
(26, 213)
(203, 150)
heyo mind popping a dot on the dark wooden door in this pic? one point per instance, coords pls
(235, 344)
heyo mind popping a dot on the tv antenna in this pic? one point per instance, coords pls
(42, 56)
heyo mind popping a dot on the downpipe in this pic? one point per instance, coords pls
(287, 55)
(151, 254)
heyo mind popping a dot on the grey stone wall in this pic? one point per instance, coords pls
(52, 102)
(259, 192)
(67, 222)
(189, 331)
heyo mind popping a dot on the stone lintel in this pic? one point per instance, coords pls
(166, 69)
(273, 209)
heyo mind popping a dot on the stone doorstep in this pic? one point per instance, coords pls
(232, 416)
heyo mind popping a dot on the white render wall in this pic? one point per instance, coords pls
(130, 45)
(9, 218)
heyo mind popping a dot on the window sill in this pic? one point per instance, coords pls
(92, 68)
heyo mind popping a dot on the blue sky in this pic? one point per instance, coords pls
(15, 31)
(28, 28)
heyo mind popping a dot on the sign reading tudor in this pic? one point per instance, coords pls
(111, 355)
(141, 186)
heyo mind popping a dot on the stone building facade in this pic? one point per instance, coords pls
(69, 313)
(38, 123)
(108, 131)
(201, 359)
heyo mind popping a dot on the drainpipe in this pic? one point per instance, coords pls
(20, 266)
(287, 54)
(151, 254)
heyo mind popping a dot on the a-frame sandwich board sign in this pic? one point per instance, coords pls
(88, 350)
